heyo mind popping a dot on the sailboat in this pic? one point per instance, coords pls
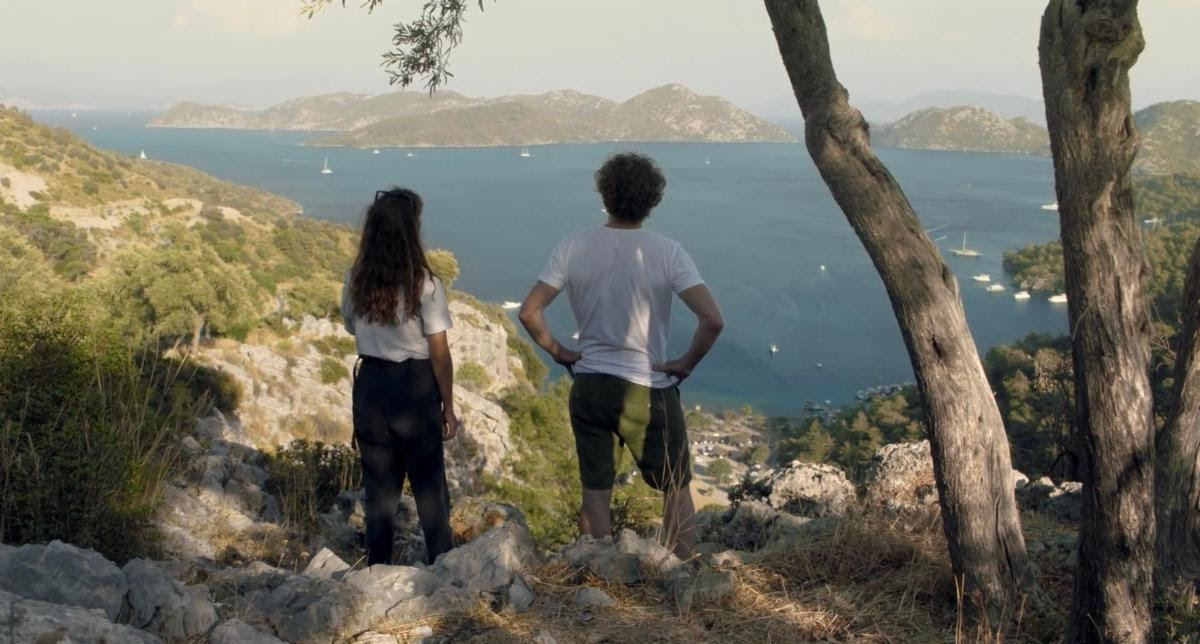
(706, 161)
(525, 153)
(325, 168)
(773, 349)
(142, 155)
(964, 251)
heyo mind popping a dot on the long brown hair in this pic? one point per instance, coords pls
(391, 264)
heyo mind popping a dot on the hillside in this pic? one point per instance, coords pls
(964, 129)
(668, 113)
(1170, 138)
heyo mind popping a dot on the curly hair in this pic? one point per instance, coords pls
(390, 270)
(631, 185)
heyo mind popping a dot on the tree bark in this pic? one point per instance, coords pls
(1086, 50)
(1177, 457)
(971, 458)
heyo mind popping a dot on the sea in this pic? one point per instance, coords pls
(780, 258)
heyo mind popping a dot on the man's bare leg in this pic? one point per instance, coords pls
(679, 521)
(595, 517)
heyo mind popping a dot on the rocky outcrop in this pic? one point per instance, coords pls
(164, 606)
(1059, 501)
(30, 620)
(900, 479)
(803, 489)
(60, 573)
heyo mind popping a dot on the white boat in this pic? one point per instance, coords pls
(995, 288)
(706, 162)
(1061, 298)
(74, 115)
(822, 268)
(375, 151)
(1050, 206)
(142, 155)
(1154, 221)
(982, 277)
(773, 349)
(409, 154)
(1021, 295)
(509, 305)
(525, 153)
(325, 168)
(575, 335)
(964, 251)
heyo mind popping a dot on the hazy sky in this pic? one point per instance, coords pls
(132, 53)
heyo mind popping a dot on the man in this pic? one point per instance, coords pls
(620, 279)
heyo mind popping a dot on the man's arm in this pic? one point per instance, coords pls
(708, 315)
(533, 318)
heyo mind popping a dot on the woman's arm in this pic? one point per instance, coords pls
(443, 372)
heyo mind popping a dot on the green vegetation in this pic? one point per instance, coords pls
(756, 455)
(307, 478)
(69, 250)
(1170, 139)
(333, 371)
(964, 128)
(721, 470)
(473, 376)
(443, 264)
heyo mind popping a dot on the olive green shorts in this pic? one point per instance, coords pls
(608, 412)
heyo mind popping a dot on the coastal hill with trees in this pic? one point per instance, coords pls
(668, 113)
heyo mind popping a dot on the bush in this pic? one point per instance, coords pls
(443, 264)
(473, 376)
(720, 470)
(307, 478)
(88, 428)
(333, 370)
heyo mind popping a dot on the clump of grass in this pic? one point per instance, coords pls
(307, 477)
(333, 371)
(473, 376)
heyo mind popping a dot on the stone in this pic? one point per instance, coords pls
(616, 567)
(235, 631)
(402, 593)
(728, 559)
(373, 637)
(585, 548)
(60, 573)
(419, 632)
(593, 597)
(304, 609)
(326, 565)
(805, 489)
(471, 517)
(652, 555)
(900, 479)
(166, 607)
(708, 587)
(1059, 502)
(38, 622)
(520, 596)
(489, 563)
(544, 638)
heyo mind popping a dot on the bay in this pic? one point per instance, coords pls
(756, 218)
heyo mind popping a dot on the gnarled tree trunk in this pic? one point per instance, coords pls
(1177, 458)
(1087, 48)
(970, 449)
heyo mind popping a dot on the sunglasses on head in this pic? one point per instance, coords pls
(391, 194)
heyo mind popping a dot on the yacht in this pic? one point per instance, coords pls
(509, 305)
(773, 349)
(409, 154)
(575, 335)
(995, 288)
(982, 277)
(1021, 295)
(1154, 221)
(706, 162)
(822, 268)
(964, 251)
(1061, 298)
(1050, 206)
(525, 153)
(142, 155)
(325, 168)
(375, 151)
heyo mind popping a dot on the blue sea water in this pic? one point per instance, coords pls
(756, 218)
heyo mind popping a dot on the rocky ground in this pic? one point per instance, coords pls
(231, 573)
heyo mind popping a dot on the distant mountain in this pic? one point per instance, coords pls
(1170, 138)
(668, 113)
(969, 129)
(783, 109)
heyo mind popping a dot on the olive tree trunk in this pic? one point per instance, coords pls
(1086, 50)
(1177, 458)
(971, 459)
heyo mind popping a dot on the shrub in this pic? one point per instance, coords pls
(720, 470)
(89, 428)
(443, 264)
(307, 478)
(333, 370)
(473, 376)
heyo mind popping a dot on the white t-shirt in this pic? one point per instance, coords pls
(407, 339)
(621, 283)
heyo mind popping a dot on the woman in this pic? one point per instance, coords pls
(403, 391)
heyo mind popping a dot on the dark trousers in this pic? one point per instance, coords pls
(398, 427)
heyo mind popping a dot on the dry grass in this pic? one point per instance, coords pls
(870, 580)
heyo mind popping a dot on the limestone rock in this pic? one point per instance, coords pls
(520, 596)
(616, 567)
(900, 478)
(471, 517)
(300, 608)
(804, 489)
(235, 631)
(752, 525)
(161, 605)
(372, 637)
(60, 573)
(30, 620)
(690, 591)
(1060, 502)
(403, 593)
(653, 556)
(586, 548)
(593, 597)
(326, 565)
(489, 563)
